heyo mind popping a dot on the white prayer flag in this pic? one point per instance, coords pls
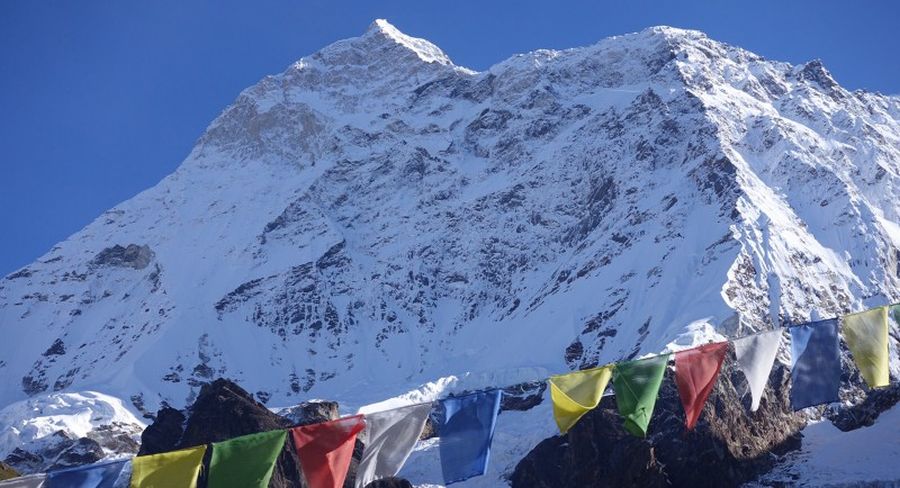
(389, 439)
(756, 356)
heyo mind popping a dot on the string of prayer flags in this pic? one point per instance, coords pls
(31, 481)
(100, 475)
(755, 356)
(466, 428)
(246, 461)
(325, 450)
(637, 385)
(815, 364)
(575, 394)
(167, 469)
(696, 371)
(389, 438)
(866, 334)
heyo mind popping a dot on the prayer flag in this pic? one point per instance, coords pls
(637, 385)
(816, 364)
(696, 371)
(576, 393)
(466, 429)
(325, 450)
(755, 357)
(31, 481)
(168, 469)
(246, 461)
(389, 438)
(866, 334)
(102, 475)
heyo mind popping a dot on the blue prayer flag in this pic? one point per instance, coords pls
(816, 364)
(466, 428)
(103, 475)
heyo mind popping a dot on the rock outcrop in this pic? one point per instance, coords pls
(729, 446)
(223, 410)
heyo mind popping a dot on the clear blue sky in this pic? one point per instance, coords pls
(100, 100)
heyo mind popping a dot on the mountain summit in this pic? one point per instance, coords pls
(376, 220)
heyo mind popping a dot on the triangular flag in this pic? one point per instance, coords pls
(466, 429)
(866, 334)
(389, 439)
(576, 393)
(101, 475)
(246, 461)
(167, 469)
(325, 450)
(637, 385)
(755, 357)
(816, 364)
(696, 371)
(30, 481)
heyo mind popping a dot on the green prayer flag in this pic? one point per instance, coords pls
(246, 461)
(637, 385)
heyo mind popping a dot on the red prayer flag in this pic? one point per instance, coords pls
(696, 371)
(325, 450)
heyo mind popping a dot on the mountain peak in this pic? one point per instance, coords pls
(382, 30)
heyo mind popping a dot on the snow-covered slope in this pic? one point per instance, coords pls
(376, 218)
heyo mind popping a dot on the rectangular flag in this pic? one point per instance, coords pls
(866, 334)
(325, 450)
(466, 429)
(575, 394)
(637, 385)
(816, 364)
(101, 475)
(389, 438)
(168, 469)
(246, 461)
(696, 371)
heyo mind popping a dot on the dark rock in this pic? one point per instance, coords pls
(311, 412)
(164, 432)
(729, 446)
(7, 472)
(58, 348)
(24, 461)
(133, 256)
(222, 411)
(390, 483)
(523, 396)
(866, 412)
(80, 451)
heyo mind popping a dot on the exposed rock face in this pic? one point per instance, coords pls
(133, 256)
(863, 414)
(728, 447)
(223, 410)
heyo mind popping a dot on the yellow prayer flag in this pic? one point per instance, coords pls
(867, 337)
(576, 393)
(168, 469)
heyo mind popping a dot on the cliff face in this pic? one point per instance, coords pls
(376, 222)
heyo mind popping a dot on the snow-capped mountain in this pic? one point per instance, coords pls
(376, 218)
